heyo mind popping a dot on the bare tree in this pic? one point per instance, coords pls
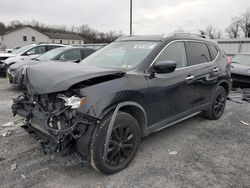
(218, 34)
(211, 31)
(233, 29)
(2, 27)
(15, 24)
(244, 22)
(201, 32)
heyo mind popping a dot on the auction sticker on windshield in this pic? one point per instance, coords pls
(144, 46)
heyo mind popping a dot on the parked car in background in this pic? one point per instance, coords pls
(137, 85)
(240, 69)
(25, 53)
(16, 72)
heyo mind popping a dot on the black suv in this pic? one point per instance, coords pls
(102, 107)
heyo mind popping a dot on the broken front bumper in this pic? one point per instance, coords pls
(66, 140)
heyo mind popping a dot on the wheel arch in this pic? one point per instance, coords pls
(134, 109)
(225, 85)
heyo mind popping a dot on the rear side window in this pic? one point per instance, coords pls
(174, 52)
(213, 51)
(197, 53)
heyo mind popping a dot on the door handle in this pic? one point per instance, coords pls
(191, 77)
(216, 69)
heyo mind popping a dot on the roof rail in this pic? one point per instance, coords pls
(183, 33)
(42, 42)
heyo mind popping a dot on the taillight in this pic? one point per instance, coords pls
(229, 60)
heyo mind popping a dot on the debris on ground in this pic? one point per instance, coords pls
(246, 95)
(9, 127)
(13, 123)
(5, 133)
(23, 176)
(239, 95)
(52, 157)
(13, 166)
(244, 123)
(172, 152)
(9, 124)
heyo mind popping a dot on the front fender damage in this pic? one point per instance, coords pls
(58, 128)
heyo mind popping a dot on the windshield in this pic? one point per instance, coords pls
(50, 55)
(23, 49)
(243, 59)
(121, 55)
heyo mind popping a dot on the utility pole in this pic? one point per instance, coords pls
(130, 18)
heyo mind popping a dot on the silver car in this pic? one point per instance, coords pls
(241, 69)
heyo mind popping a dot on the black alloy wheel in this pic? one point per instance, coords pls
(121, 144)
(218, 104)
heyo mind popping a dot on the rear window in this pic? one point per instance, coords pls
(197, 53)
(51, 47)
(213, 50)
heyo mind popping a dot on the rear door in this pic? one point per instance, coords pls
(170, 95)
(206, 71)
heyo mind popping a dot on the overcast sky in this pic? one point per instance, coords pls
(150, 16)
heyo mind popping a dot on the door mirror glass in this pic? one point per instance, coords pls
(162, 67)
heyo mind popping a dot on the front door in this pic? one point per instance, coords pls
(171, 95)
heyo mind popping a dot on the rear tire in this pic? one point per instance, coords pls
(123, 145)
(218, 104)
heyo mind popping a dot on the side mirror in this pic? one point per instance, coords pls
(162, 67)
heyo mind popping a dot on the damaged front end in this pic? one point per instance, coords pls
(55, 120)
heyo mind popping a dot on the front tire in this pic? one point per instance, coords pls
(123, 144)
(218, 104)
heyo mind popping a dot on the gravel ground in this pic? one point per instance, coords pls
(195, 153)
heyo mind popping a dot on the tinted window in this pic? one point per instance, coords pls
(197, 52)
(51, 47)
(174, 52)
(71, 55)
(87, 52)
(213, 51)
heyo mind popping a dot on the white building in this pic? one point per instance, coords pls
(27, 35)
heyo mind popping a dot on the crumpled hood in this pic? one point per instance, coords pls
(22, 63)
(240, 69)
(52, 77)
